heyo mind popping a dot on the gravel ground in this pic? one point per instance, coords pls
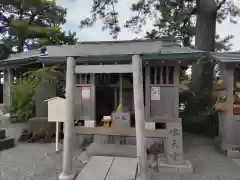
(208, 162)
(34, 162)
(41, 162)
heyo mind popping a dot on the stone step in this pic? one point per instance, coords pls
(2, 134)
(115, 150)
(6, 143)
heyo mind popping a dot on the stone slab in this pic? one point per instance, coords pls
(97, 168)
(100, 139)
(6, 143)
(104, 139)
(184, 167)
(237, 162)
(233, 154)
(123, 169)
(118, 150)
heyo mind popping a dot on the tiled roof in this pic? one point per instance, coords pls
(103, 49)
(226, 57)
(23, 55)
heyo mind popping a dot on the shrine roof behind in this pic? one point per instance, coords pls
(164, 50)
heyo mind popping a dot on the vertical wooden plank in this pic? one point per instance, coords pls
(155, 75)
(147, 93)
(167, 74)
(161, 74)
(176, 70)
(176, 77)
(115, 98)
(93, 95)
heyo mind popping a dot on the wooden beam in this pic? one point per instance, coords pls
(126, 68)
(130, 132)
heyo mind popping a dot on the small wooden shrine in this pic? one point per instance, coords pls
(142, 76)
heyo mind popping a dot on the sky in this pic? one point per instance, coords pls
(80, 9)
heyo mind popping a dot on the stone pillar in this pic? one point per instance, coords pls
(226, 120)
(67, 172)
(139, 116)
(174, 143)
(8, 80)
(45, 91)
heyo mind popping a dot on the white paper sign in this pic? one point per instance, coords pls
(86, 93)
(155, 93)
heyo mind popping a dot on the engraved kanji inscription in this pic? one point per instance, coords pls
(175, 132)
(175, 155)
(175, 144)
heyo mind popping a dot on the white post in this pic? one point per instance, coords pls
(57, 135)
(139, 116)
(67, 172)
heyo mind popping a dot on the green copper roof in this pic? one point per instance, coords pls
(226, 57)
(106, 51)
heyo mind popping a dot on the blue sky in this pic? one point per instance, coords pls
(79, 9)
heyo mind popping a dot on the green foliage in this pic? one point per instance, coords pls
(196, 120)
(33, 23)
(22, 101)
(30, 24)
(4, 51)
(172, 18)
(23, 91)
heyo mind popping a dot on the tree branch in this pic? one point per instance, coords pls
(194, 10)
(220, 4)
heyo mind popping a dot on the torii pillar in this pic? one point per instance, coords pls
(67, 171)
(139, 116)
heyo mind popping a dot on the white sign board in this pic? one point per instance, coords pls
(155, 93)
(86, 94)
(56, 109)
(56, 113)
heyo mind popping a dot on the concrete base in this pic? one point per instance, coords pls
(2, 134)
(6, 143)
(184, 167)
(231, 153)
(102, 139)
(63, 176)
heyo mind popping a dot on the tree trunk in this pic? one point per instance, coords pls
(202, 72)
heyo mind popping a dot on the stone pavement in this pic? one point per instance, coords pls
(41, 162)
(237, 161)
